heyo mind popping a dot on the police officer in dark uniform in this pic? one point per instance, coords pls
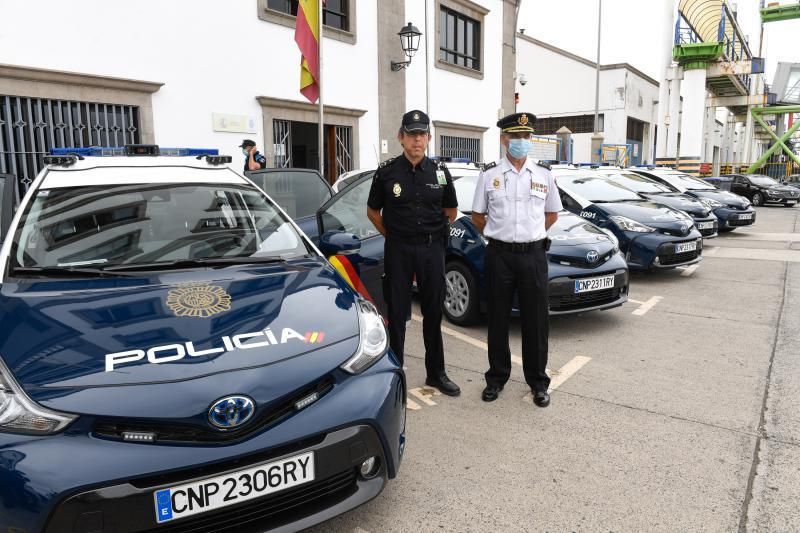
(253, 160)
(411, 202)
(516, 201)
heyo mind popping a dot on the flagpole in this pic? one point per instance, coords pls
(321, 128)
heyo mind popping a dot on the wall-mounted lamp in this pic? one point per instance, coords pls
(409, 41)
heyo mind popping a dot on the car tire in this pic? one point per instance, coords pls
(461, 302)
(758, 199)
(788, 205)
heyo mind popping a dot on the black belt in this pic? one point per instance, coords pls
(519, 247)
(421, 238)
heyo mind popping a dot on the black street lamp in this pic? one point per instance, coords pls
(409, 41)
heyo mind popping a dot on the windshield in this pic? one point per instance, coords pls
(638, 183)
(299, 192)
(465, 191)
(764, 181)
(596, 189)
(148, 223)
(689, 182)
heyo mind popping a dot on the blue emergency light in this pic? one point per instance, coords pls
(134, 150)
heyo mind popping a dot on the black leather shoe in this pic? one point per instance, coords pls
(490, 393)
(444, 385)
(542, 399)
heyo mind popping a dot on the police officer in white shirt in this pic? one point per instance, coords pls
(516, 201)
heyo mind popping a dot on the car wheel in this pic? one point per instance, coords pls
(461, 305)
(788, 205)
(758, 199)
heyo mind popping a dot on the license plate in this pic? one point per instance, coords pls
(227, 489)
(705, 225)
(594, 284)
(746, 216)
(685, 247)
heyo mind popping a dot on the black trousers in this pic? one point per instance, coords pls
(405, 260)
(526, 274)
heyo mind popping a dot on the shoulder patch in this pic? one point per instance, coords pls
(543, 164)
(487, 166)
(441, 166)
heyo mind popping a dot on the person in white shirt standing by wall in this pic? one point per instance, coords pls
(516, 201)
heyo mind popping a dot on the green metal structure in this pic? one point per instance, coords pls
(757, 113)
(779, 13)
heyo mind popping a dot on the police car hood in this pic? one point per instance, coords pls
(724, 197)
(649, 213)
(573, 235)
(92, 345)
(682, 202)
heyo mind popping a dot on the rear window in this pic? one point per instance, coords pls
(300, 193)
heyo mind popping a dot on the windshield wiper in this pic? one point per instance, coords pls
(193, 263)
(617, 200)
(63, 271)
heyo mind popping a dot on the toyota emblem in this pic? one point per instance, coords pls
(231, 412)
(592, 256)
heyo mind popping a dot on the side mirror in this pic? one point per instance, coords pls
(338, 243)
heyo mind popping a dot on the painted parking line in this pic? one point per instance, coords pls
(517, 360)
(423, 395)
(710, 250)
(688, 271)
(411, 404)
(563, 374)
(644, 307)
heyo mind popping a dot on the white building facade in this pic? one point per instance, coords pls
(560, 91)
(208, 74)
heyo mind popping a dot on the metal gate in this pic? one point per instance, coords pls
(282, 150)
(30, 127)
(461, 147)
(344, 149)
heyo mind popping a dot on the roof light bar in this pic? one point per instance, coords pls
(119, 151)
(61, 160)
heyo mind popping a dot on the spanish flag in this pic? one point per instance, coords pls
(306, 35)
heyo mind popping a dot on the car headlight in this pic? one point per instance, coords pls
(19, 414)
(710, 202)
(628, 224)
(612, 238)
(771, 193)
(373, 342)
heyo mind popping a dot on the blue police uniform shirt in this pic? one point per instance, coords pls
(258, 158)
(515, 202)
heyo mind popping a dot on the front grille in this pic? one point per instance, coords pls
(675, 232)
(708, 231)
(279, 508)
(198, 434)
(571, 302)
(579, 261)
(676, 259)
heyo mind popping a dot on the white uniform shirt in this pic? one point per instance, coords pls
(515, 202)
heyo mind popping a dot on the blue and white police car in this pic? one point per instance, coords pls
(176, 355)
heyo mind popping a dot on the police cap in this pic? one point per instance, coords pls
(518, 122)
(247, 142)
(416, 120)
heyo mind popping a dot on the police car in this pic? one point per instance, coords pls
(732, 211)
(177, 355)
(651, 235)
(586, 272)
(704, 219)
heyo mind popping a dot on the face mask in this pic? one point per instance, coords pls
(519, 148)
(245, 152)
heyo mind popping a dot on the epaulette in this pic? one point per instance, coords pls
(387, 162)
(441, 165)
(487, 166)
(543, 164)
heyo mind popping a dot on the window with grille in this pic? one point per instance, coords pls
(460, 147)
(459, 39)
(30, 127)
(575, 124)
(335, 13)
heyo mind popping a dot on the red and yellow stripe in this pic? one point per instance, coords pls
(313, 337)
(306, 35)
(344, 267)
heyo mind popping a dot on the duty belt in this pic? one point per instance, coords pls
(519, 247)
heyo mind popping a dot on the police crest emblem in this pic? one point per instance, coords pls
(416, 116)
(523, 120)
(198, 300)
(397, 190)
(496, 183)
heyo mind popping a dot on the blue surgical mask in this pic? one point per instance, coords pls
(519, 148)
(245, 152)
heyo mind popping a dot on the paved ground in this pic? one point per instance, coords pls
(679, 411)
